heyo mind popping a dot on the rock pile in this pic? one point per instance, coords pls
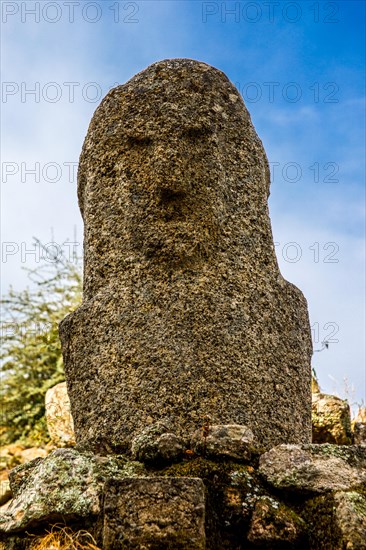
(292, 496)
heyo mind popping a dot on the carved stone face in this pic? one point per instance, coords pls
(171, 172)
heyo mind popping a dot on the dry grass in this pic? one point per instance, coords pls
(63, 538)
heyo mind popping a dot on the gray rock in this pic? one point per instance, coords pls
(185, 312)
(331, 419)
(314, 468)
(157, 444)
(153, 513)
(58, 415)
(65, 485)
(224, 441)
(273, 523)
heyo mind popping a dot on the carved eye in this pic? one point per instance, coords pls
(139, 141)
(197, 134)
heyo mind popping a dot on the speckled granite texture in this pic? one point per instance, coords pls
(185, 312)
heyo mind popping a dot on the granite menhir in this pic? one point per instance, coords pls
(185, 314)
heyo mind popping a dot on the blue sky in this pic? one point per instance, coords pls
(300, 69)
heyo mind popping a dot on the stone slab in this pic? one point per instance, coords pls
(315, 468)
(152, 513)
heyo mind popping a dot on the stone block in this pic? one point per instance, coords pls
(66, 485)
(230, 441)
(273, 524)
(154, 513)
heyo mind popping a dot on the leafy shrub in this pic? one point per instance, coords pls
(31, 350)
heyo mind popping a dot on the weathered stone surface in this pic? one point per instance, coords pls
(65, 485)
(273, 523)
(157, 444)
(185, 312)
(331, 419)
(230, 441)
(10, 456)
(314, 468)
(151, 513)
(58, 415)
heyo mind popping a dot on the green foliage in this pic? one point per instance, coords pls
(31, 350)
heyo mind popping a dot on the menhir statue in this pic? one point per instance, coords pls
(185, 313)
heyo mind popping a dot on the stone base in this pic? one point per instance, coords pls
(298, 497)
(150, 513)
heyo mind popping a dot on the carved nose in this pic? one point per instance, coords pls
(170, 174)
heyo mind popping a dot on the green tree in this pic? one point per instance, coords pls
(31, 350)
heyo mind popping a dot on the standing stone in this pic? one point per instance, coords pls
(185, 313)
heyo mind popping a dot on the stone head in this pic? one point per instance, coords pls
(171, 167)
